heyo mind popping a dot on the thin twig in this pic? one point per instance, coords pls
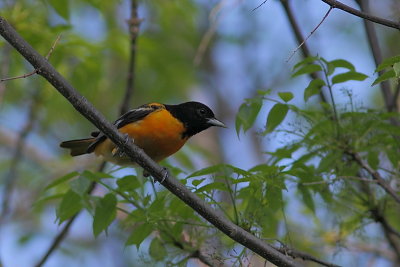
(304, 256)
(375, 175)
(35, 70)
(158, 172)
(382, 21)
(311, 33)
(299, 38)
(259, 5)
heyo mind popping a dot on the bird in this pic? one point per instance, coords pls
(159, 129)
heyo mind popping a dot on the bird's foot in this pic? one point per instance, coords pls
(164, 171)
(117, 152)
(165, 174)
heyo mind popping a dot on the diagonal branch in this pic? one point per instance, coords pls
(375, 175)
(358, 13)
(83, 106)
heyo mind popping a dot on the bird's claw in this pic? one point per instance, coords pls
(117, 152)
(165, 175)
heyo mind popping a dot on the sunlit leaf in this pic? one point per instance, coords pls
(157, 250)
(286, 96)
(348, 76)
(104, 214)
(276, 115)
(247, 114)
(62, 179)
(69, 206)
(307, 69)
(313, 88)
(385, 76)
(139, 234)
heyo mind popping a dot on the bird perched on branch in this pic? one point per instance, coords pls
(160, 130)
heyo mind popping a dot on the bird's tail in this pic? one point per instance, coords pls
(79, 146)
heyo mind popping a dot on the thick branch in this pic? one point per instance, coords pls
(358, 13)
(172, 184)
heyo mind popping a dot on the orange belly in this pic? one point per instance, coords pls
(159, 135)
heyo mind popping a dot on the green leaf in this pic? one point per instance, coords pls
(348, 76)
(139, 234)
(247, 114)
(61, 7)
(385, 76)
(128, 183)
(104, 214)
(157, 250)
(80, 185)
(276, 116)
(341, 63)
(212, 186)
(69, 206)
(196, 182)
(396, 68)
(307, 69)
(305, 61)
(313, 88)
(389, 62)
(274, 197)
(206, 171)
(307, 197)
(62, 179)
(327, 162)
(286, 96)
(96, 176)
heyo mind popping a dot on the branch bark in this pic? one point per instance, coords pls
(82, 105)
(377, 55)
(358, 13)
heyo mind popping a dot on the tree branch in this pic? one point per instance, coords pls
(299, 39)
(377, 55)
(11, 177)
(375, 175)
(133, 23)
(382, 21)
(304, 256)
(82, 105)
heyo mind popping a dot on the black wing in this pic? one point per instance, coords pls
(129, 117)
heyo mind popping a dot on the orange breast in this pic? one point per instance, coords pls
(159, 134)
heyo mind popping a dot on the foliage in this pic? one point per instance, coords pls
(307, 190)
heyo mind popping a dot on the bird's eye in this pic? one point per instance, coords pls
(202, 111)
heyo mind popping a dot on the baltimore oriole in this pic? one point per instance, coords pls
(159, 129)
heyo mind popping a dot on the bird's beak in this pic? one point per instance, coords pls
(215, 122)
